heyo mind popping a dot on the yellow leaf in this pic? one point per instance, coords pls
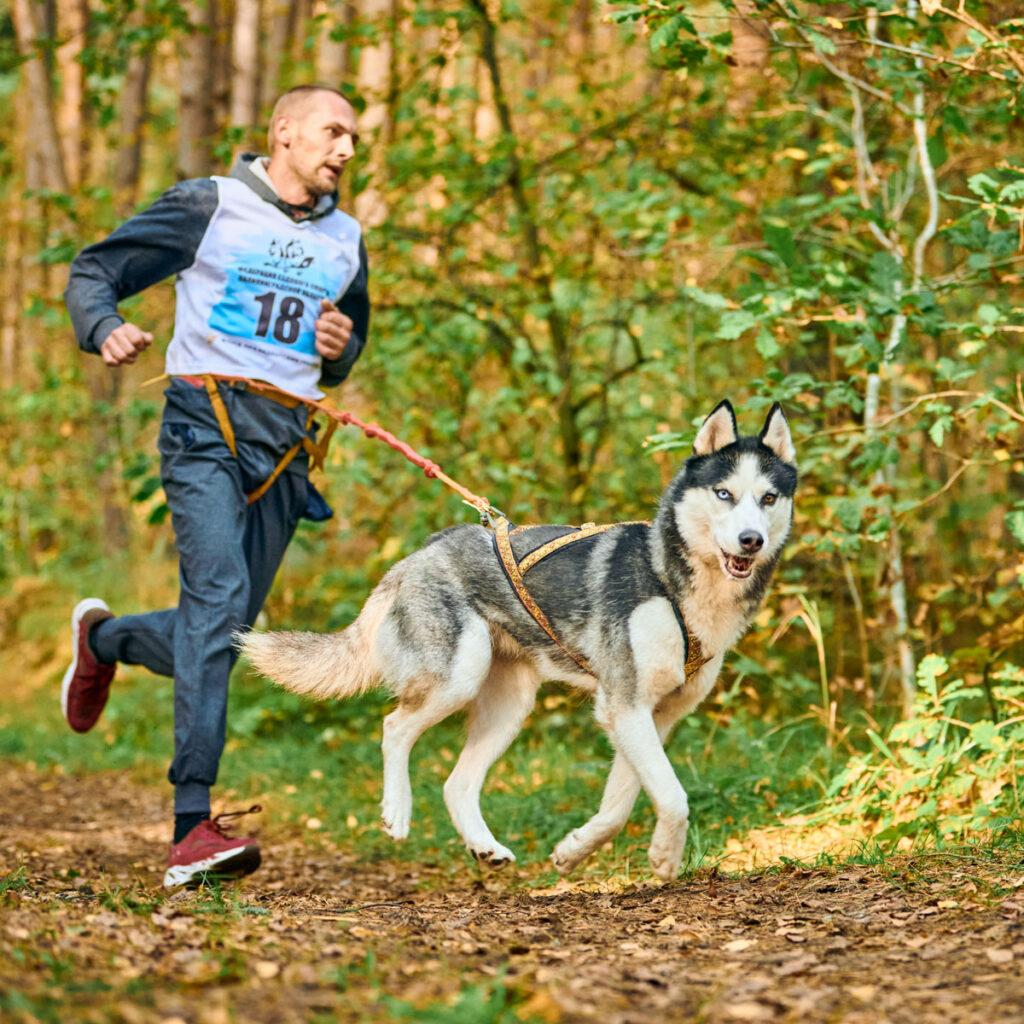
(390, 548)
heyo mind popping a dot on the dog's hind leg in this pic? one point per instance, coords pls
(422, 704)
(495, 718)
(620, 793)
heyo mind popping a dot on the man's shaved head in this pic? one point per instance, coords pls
(313, 133)
(294, 103)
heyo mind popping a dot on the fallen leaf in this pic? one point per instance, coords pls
(738, 945)
(266, 969)
(999, 956)
(749, 1011)
(796, 966)
(865, 993)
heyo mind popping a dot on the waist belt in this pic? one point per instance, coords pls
(516, 569)
(317, 450)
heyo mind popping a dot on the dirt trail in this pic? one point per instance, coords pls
(938, 942)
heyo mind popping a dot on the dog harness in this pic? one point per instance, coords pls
(515, 569)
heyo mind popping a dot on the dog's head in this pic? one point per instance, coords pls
(733, 501)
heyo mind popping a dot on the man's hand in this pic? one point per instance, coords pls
(123, 345)
(333, 329)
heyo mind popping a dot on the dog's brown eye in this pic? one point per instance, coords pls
(769, 499)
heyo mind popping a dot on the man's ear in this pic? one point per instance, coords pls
(718, 430)
(283, 130)
(775, 435)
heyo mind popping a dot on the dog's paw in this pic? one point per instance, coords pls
(395, 821)
(569, 853)
(494, 854)
(666, 850)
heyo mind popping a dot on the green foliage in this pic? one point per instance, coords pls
(950, 770)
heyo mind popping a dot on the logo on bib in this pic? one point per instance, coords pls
(290, 254)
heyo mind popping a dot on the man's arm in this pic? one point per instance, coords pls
(152, 245)
(355, 305)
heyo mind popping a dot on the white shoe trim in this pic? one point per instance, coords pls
(86, 605)
(181, 874)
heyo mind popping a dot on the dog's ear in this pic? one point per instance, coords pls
(718, 430)
(775, 435)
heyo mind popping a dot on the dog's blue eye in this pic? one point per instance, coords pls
(724, 494)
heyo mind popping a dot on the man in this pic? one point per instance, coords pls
(271, 287)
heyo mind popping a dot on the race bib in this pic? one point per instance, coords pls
(273, 292)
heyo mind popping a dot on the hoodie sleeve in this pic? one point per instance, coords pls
(355, 304)
(160, 241)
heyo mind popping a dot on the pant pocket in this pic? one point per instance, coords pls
(182, 434)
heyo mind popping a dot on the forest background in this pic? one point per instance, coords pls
(587, 223)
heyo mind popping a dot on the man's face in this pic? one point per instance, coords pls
(318, 139)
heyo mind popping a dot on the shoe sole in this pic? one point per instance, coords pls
(226, 865)
(77, 615)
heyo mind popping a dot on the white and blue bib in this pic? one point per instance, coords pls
(248, 303)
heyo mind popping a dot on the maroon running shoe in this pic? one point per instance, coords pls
(209, 853)
(86, 685)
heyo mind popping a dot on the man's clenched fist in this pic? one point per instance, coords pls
(333, 329)
(123, 345)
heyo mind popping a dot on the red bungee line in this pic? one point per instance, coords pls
(374, 430)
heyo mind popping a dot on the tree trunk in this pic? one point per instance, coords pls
(133, 117)
(245, 66)
(10, 315)
(750, 41)
(71, 112)
(47, 156)
(374, 83)
(302, 11)
(332, 58)
(195, 72)
(276, 15)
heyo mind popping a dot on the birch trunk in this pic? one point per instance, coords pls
(245, 65)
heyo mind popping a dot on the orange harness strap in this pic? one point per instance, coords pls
(515, 570)
(317, 450)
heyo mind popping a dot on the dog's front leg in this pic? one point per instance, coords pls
(620, 792)
(635, 735)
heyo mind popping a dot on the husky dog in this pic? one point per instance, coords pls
(444, 630)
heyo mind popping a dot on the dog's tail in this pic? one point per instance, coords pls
(322, 664)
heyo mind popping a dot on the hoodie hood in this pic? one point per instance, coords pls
(245, 171)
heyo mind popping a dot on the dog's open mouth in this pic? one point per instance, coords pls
(739, 567)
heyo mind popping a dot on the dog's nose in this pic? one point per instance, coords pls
(751, 540)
